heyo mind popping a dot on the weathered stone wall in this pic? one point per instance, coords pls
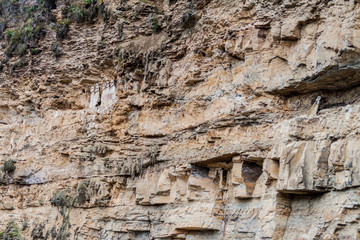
(203, 119)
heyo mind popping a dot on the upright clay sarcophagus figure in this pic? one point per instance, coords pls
(106, 97)
(104, 94)
(94, 97)
(112, 92)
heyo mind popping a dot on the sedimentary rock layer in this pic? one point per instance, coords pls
(202, 119)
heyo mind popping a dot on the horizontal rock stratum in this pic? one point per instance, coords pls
(179, 119)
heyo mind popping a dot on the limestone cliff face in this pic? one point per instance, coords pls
(179, 119)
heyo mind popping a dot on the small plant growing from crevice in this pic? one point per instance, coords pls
(81, 197)
(77, 13)
(120, 28)
(64, 201)
(188, 19)
(118, 54)
(152, 153)
(61, 199)
(154, 23)
(22, 49)
(34, 51)
(2, 28)
(55, 49)
(101, 44)
(25, 225)
(62, 28)
(12, 232)
(18, 64)
(9, 166)
(30, 10)
(38, 231)
(87, 2)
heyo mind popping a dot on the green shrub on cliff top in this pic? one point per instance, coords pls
(19, 39)
(28, 21)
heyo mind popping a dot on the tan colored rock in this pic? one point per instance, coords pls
(271, 167)
(246, 176)
(304, 167)
(344, 162)
(210, 129)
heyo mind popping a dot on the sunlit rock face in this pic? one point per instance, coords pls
(206, 119)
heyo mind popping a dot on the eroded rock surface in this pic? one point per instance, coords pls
(203, 119)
